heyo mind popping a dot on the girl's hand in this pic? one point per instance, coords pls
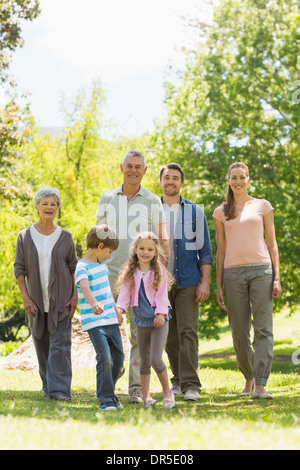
(159, 320)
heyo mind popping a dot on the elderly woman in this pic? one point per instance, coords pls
(44, 267)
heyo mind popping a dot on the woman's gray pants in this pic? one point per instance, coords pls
(249, 287)
(54, 358)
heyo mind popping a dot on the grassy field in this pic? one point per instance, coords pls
(220, 420)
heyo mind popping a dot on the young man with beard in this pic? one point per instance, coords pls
(190, 262)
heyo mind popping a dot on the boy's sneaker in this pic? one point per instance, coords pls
(119, 406)
(107, 407)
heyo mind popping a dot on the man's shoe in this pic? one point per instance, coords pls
(136, 396)
(176, 390)
(60, 397)
(191, 395)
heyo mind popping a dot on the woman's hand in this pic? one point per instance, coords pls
(220, 299)
(73, 304)
(277, 290)
(30, 307)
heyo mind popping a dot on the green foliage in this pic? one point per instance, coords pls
(11, 13)
(236, 101)
(80, 163)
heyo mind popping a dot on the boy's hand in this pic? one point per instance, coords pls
(159, 320)
(120, 312)
(97, 308)
(120, 317)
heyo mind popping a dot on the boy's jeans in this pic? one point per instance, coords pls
(107, 343)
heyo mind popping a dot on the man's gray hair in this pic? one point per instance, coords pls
(134, 153)
(47, 191)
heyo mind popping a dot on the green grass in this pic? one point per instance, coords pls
(220, 420)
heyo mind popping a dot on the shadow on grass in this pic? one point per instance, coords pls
(215, 402)
(220, 404)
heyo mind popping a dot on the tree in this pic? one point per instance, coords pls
(11, 13)
(236, 102)
(82, 165)
(15, 122)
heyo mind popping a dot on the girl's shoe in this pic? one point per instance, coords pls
(169, 403)
(149, 402)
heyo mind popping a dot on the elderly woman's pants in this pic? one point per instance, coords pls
(54, 358)
(249, 288)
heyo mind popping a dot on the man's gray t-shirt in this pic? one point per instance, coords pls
(128, 218)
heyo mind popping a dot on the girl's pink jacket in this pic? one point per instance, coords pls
(157, 298)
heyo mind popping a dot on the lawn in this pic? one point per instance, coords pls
(220, 420)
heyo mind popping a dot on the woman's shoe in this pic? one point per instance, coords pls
(245, 394)
(265, 395)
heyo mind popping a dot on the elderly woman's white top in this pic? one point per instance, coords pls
(44, 245)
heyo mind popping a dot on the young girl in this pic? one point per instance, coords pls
(144, 283)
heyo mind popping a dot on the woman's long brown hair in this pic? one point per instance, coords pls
(229, 204)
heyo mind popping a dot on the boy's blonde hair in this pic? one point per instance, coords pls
(129, 268)
(102, 233)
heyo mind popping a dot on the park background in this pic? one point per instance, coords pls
(234, 95)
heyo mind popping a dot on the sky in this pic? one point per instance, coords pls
(127, 44)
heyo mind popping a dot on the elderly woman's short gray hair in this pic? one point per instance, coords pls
(47, 191)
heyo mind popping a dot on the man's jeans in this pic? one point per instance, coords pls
(107, 343)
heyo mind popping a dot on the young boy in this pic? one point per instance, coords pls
(99, 315)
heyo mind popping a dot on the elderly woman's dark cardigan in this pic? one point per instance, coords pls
(63, 264)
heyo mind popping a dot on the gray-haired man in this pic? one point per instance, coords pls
(129, 210)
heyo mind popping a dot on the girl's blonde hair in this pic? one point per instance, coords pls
(129, 268)
(229, 204)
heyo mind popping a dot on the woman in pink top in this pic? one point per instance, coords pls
(249, 268)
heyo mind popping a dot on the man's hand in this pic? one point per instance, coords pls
(202, 292)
